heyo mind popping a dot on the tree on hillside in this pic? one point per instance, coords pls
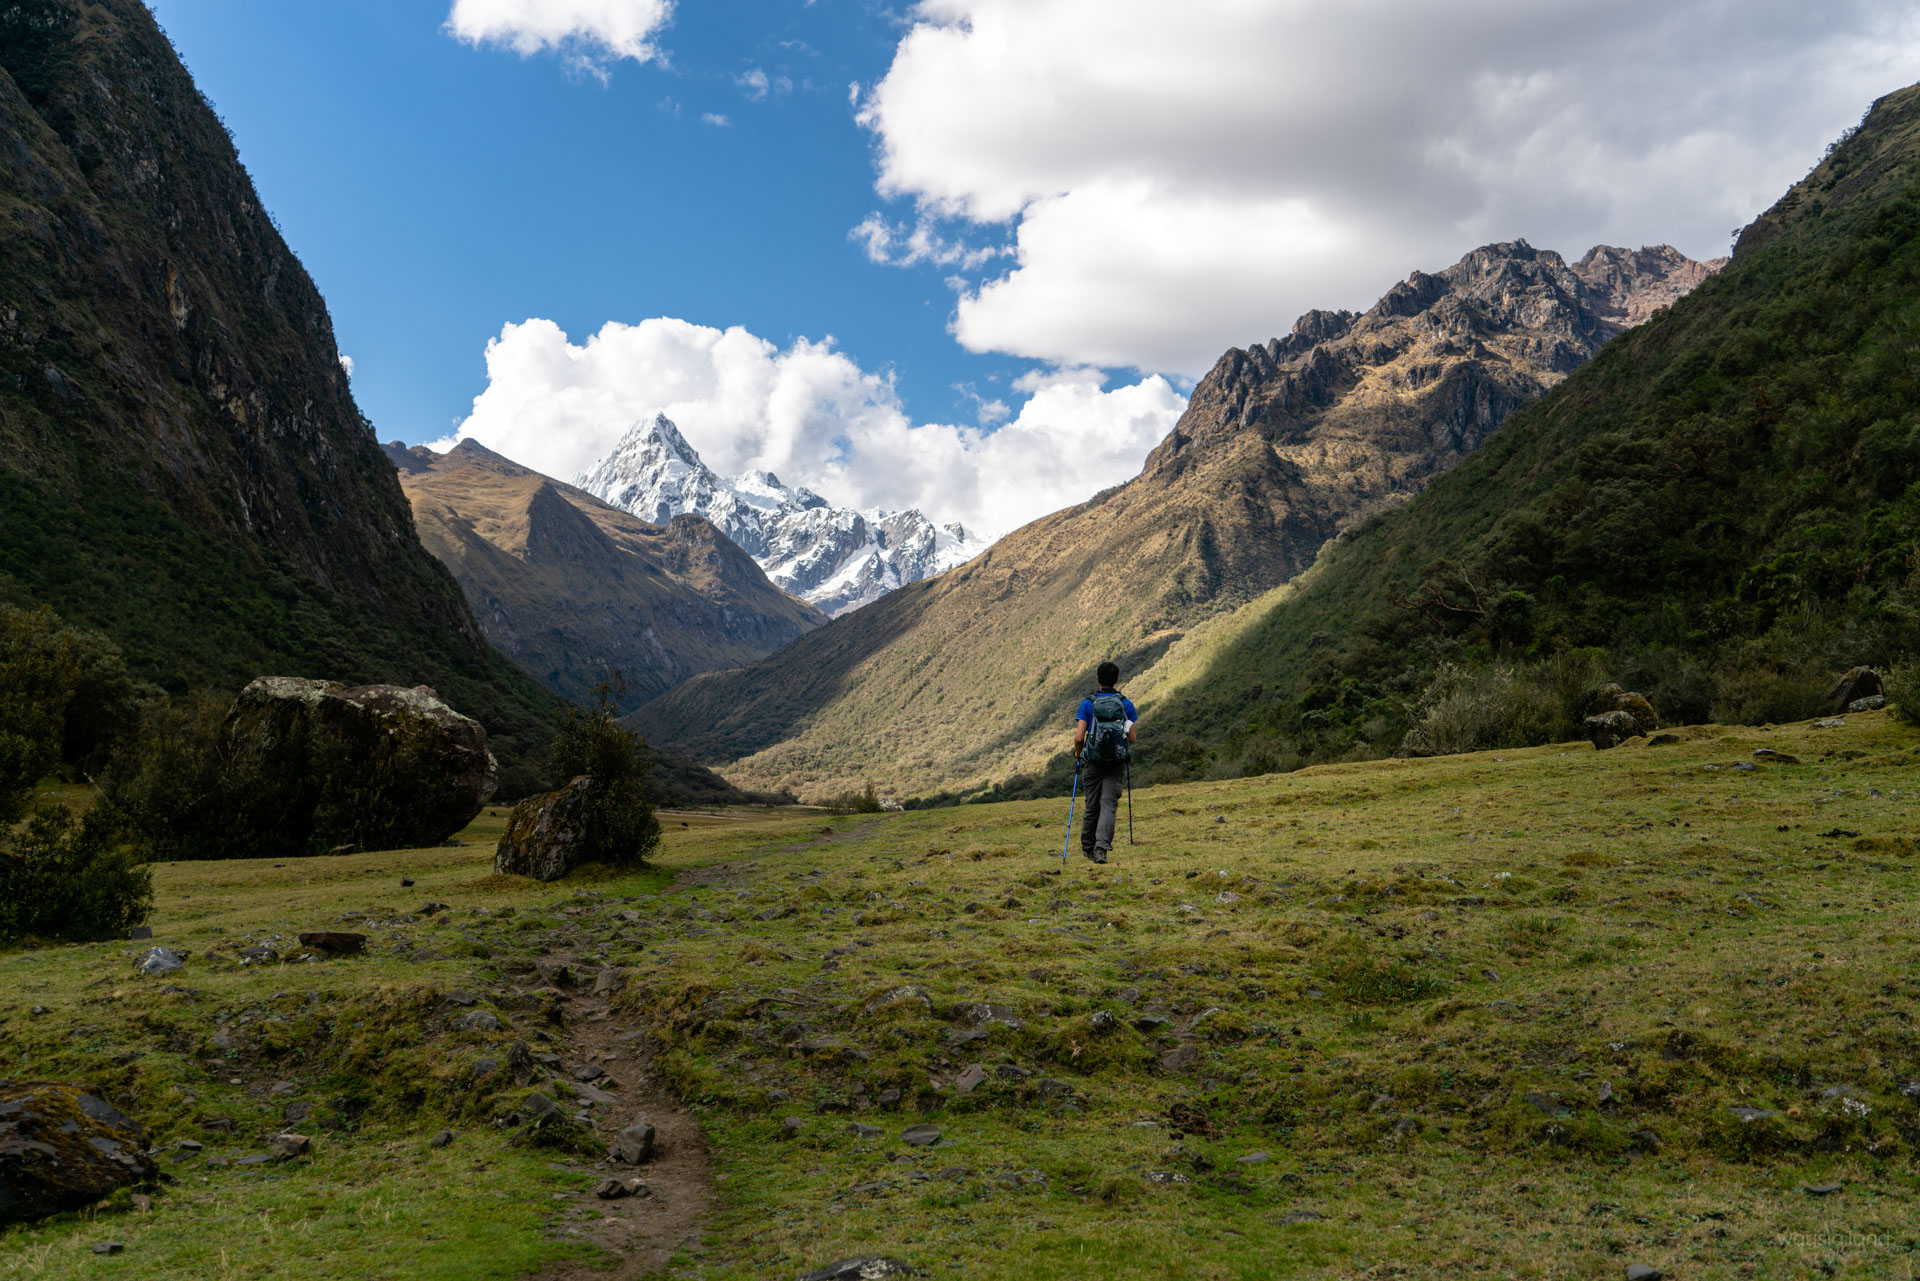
(619, 824)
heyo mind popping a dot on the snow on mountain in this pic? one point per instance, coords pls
(833, 557)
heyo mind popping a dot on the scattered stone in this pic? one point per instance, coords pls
(920, 1136)
(911, 995)
(333, 942)
(159, 960)
(477, 1021)
(1605, 1095)
(952, 1173)
(556, 971)
(108, 1247)
(1831, 722)
(1180, 1059)
(610, 980)
(888, 1097)
(861, 1130)
(406, 882)
(38, 1010)
(140, 932)
(1644, 1272)
(1823, 1189)
(1859, 683)
(63, 1149)
(142, 1203)
(259, 954)
(1748, 1115)
(1253, 1158)
(1165, 1178)
(1302, 1216)
(588, 1072)
(543, 835)
(985, 1013)
(441, 1139)
(791, 1127)
(256, 1158)
(1871, 703)
(1663, 740)
(1220, 818)
(288, 1146)
(1407, 1125)
(188, 1145)
(1745, 766)
(1778, 758)
(860, 1269)
(296, 1112)
(1102, 1021)
(1151, 1023)
(537, 1109)
(634, 1145)
(970, 1079)
(1545, 1105)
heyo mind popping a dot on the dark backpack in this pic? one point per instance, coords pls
(1107, 734)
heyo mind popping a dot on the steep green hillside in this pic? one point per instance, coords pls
(182, 465)
(1721, 507)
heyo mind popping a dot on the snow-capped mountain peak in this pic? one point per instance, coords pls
(834, 557)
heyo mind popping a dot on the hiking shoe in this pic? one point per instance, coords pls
(1098, 856)
(1089, 855)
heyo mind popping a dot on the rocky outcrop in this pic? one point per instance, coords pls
(572, 588)
(1609, 729)
(377, 765)
(544, 836)
(834, 557)
(1611, 698)
(1859, 683)
(63, 1148)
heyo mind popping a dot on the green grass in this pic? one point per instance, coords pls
(1404, 981)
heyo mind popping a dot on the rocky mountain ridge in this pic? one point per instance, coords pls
(833, 557)
(572, 588)
(1282, 447)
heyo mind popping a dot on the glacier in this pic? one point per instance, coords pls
(835, 558)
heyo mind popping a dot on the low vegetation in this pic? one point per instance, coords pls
(1544, 1011)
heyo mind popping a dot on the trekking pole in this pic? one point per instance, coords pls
(1130, 839)
(1070, 800)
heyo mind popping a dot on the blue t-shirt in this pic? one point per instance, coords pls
(1086, 708)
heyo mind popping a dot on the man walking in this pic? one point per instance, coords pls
(1103, 742)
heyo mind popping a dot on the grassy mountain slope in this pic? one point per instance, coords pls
(969, 678)
(1722, 506)
(570, 587)
(182, 465)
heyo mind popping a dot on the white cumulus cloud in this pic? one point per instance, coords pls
(715, 119)
(1181, 178)
(899, 245)
(587, 33)
(811, 415)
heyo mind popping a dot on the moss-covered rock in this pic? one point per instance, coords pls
(62, 1148)
(544, 835)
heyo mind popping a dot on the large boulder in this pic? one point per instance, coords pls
(1611, 698)
(379, 766)
(1858, 683)
(1609, 729)
(543, 837)
(62, 1148)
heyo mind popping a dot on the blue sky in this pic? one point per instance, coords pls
(436, 191)
(536, 236)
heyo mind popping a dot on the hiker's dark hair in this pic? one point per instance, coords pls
(1108, 674)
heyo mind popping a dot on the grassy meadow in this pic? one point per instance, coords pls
(1544, 1012)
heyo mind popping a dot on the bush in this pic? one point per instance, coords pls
(618, 827)
(864, 802)
(64, 697)
(169, 786)
(70, 879)
(1471, 710)
(1901, 682)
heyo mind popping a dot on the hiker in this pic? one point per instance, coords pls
(1103, 744)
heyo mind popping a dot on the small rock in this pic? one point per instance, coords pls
(1253, 1158)
(1407, 1125)
(1102, 1021)
(634, 1145)
(1823, 1189)
(791, 1127)
(1644, 1140)
(920, 1136)
(108, 1247)
(888, 1097)
(588, 1072)
(1220, 818)
(288, 1146)
(610, 980)
(296, 1111)
(1302, 1216)
(1181, 1059)
(1151, 1023)
(1644, 1272)
(441, 1139)
(333, 942)
(1831, 722)
(610, 1189)
(1745, 766)
(406, 882)
(1748, 1115)
(1545, 1105)
(477, 1021)
(188, 1145)
(860, 1130)
(142, 1203)
(1663, 740)
(1778, 758)
(970, 1079)
(159, 960)
(1871, 703)
(38, 1010)
(1165, 1178)
(1605, 1095)
(860, 1269)
(911, 995)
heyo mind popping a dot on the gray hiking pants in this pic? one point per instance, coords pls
(1102, 785)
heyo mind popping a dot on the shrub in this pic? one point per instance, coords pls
(1470, 710)
(1902, 685)
(619, 826)
(169, 785)
(862, 802)
(62, 877)
(64, 697)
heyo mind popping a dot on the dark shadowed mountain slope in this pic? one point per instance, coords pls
(969, 677)
(181, 461)
(1721, 511)
(571, 588)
